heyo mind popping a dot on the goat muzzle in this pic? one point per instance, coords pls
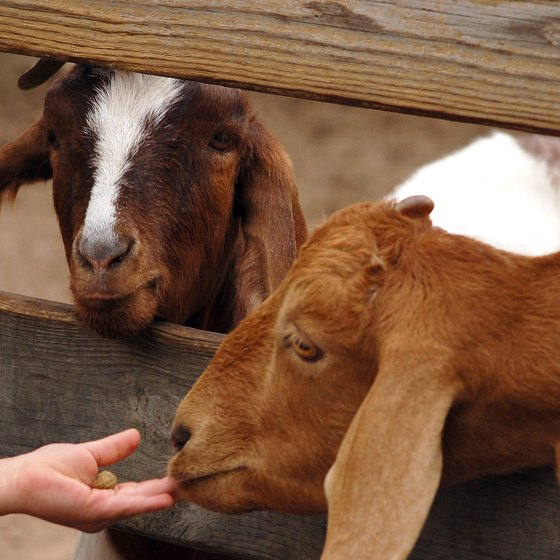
(179, 437)
(106, 255)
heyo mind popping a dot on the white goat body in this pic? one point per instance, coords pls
(495, 191)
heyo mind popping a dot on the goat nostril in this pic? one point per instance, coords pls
(179, 437)
(100, 256)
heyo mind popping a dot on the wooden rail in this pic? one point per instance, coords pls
(493, 63)
(62, 382)
(59, 381)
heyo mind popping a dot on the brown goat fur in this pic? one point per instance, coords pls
(206, 213)
(207, 210)
(418, 356)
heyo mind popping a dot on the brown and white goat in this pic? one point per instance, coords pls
(173, 200)
(396, 353)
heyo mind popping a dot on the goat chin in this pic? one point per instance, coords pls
(119, 316)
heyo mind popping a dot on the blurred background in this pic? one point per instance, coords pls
(341, 155)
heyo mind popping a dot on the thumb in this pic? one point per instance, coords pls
(114, 448)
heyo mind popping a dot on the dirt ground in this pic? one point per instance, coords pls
(341, 155)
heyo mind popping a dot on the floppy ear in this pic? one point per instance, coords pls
(27, 158)
(388, 468)
(272, 222)
(24, 160)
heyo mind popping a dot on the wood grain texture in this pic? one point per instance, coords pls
(488, 62)
(60, 382)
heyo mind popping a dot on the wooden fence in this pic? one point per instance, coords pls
(472, 60)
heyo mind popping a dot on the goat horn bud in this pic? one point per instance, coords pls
(39, 73)
(418, 206)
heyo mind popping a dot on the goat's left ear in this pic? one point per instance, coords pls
(272, 222)
(389, 465)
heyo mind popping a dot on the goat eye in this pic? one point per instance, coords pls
(305, 349)
(221, 141)
(53, 140)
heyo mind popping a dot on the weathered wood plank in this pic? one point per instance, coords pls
(60, 382)
(488, 62)
(499, 518)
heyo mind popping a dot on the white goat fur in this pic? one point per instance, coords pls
(494, 191)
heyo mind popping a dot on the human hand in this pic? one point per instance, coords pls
(55, 483)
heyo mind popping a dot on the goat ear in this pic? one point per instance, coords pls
(39, 73)
(418, 206)
(272, 222)
(373, 275)
(24, 160)
(388, 468)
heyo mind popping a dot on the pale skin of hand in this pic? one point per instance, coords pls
(55, 483)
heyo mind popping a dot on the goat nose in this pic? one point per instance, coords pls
(100, 255)
(179, 437)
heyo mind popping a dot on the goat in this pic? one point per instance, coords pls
(173, 200)
(395, 356)
(517, 178)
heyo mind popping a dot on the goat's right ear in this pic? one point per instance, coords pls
(389, 465)
(25, 160)
(272, 223)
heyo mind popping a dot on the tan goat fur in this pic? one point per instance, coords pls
(430, 357)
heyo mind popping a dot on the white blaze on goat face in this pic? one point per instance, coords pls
(117, 120)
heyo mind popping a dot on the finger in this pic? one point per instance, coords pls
(123, 505)
(155, 486)
(104, 512)
(114, 448)
(128, 506)
(150, 504)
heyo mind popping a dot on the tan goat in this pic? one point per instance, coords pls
(418, 356)
(173, 202)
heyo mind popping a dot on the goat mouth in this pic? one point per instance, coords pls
(189, 482)
(114, 314)
(106, 302)
(103, 303)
